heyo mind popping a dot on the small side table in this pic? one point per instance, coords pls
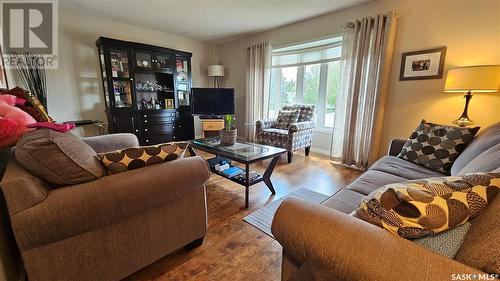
(96, 123)
(211, 127)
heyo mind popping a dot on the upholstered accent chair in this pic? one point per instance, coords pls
(297, 136)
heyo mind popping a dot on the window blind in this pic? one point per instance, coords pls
(307, 53)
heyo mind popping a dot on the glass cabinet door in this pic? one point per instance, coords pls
(183, 93)
(181, 69)
(104, 77)
(164, 62)
(103, 65)
(122, 91)
(106, 93)
(144, 60)
(119, 63)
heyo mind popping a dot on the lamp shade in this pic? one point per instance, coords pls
(479, 79)
(215, 70)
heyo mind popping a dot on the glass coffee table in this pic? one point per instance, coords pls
(246, 153)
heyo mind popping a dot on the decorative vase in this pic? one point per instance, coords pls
(228, 137)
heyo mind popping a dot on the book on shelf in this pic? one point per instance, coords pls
(232, 172)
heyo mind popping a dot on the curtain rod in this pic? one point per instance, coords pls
(351, 24)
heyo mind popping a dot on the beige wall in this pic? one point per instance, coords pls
(75, 89)
(470, 29)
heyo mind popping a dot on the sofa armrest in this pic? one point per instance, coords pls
(352, 249)
(264, 123)
(68, 211)
(106, 143)
(21, 189)
(395, 146)
(301, 126)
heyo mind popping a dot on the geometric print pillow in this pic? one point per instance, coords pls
(417, 208)
(122, 160)
(306, 112)
(286, 118)
(436, 146)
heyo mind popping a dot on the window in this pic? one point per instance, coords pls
(307, 73)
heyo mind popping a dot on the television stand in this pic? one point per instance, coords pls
(211, 127)
(211, 117)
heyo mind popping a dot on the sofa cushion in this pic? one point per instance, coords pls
(58, 158)
(286, 118)
(402, 168)
(486, 139)
(418, 208)
(344, 201)
(487, 161)
(373, 179)
(481, 245)
(436, 146)
(122, 160)
(106, 143)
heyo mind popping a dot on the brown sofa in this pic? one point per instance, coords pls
(351, 249)
(108, 228)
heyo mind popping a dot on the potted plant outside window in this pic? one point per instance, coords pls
(229, 133)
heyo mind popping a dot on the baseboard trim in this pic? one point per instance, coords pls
(320, 151)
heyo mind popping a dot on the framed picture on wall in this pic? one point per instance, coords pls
(426, 64)
(3, 74)
(169, 104)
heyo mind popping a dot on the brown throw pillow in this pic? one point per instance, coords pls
(119, 161)
(414, 209)
(58, 158)
(437, 146)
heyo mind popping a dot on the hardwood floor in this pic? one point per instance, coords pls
(233, 249)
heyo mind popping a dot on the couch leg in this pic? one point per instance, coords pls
(194, 244)
(308, 149)
(290, 156)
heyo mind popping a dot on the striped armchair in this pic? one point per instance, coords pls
(298, 136)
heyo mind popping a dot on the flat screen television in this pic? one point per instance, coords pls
(212, 101)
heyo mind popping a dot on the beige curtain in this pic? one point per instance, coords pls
(367, 50)
(257, 86)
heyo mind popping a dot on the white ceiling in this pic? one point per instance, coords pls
(216, 21)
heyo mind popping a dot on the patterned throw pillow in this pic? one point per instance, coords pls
(306, 112)
(414, 209)
(119, 161)
(436, 146)
(285, 118)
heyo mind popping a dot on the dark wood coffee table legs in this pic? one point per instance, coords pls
(247, 182)
(266, 178)
(269, 172)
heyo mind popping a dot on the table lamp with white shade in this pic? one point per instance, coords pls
(216, 71)
(472, 79)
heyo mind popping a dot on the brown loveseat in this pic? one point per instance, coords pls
(351, 249)
(108, 228)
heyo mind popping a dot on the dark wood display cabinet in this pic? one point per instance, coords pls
(146, 90)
